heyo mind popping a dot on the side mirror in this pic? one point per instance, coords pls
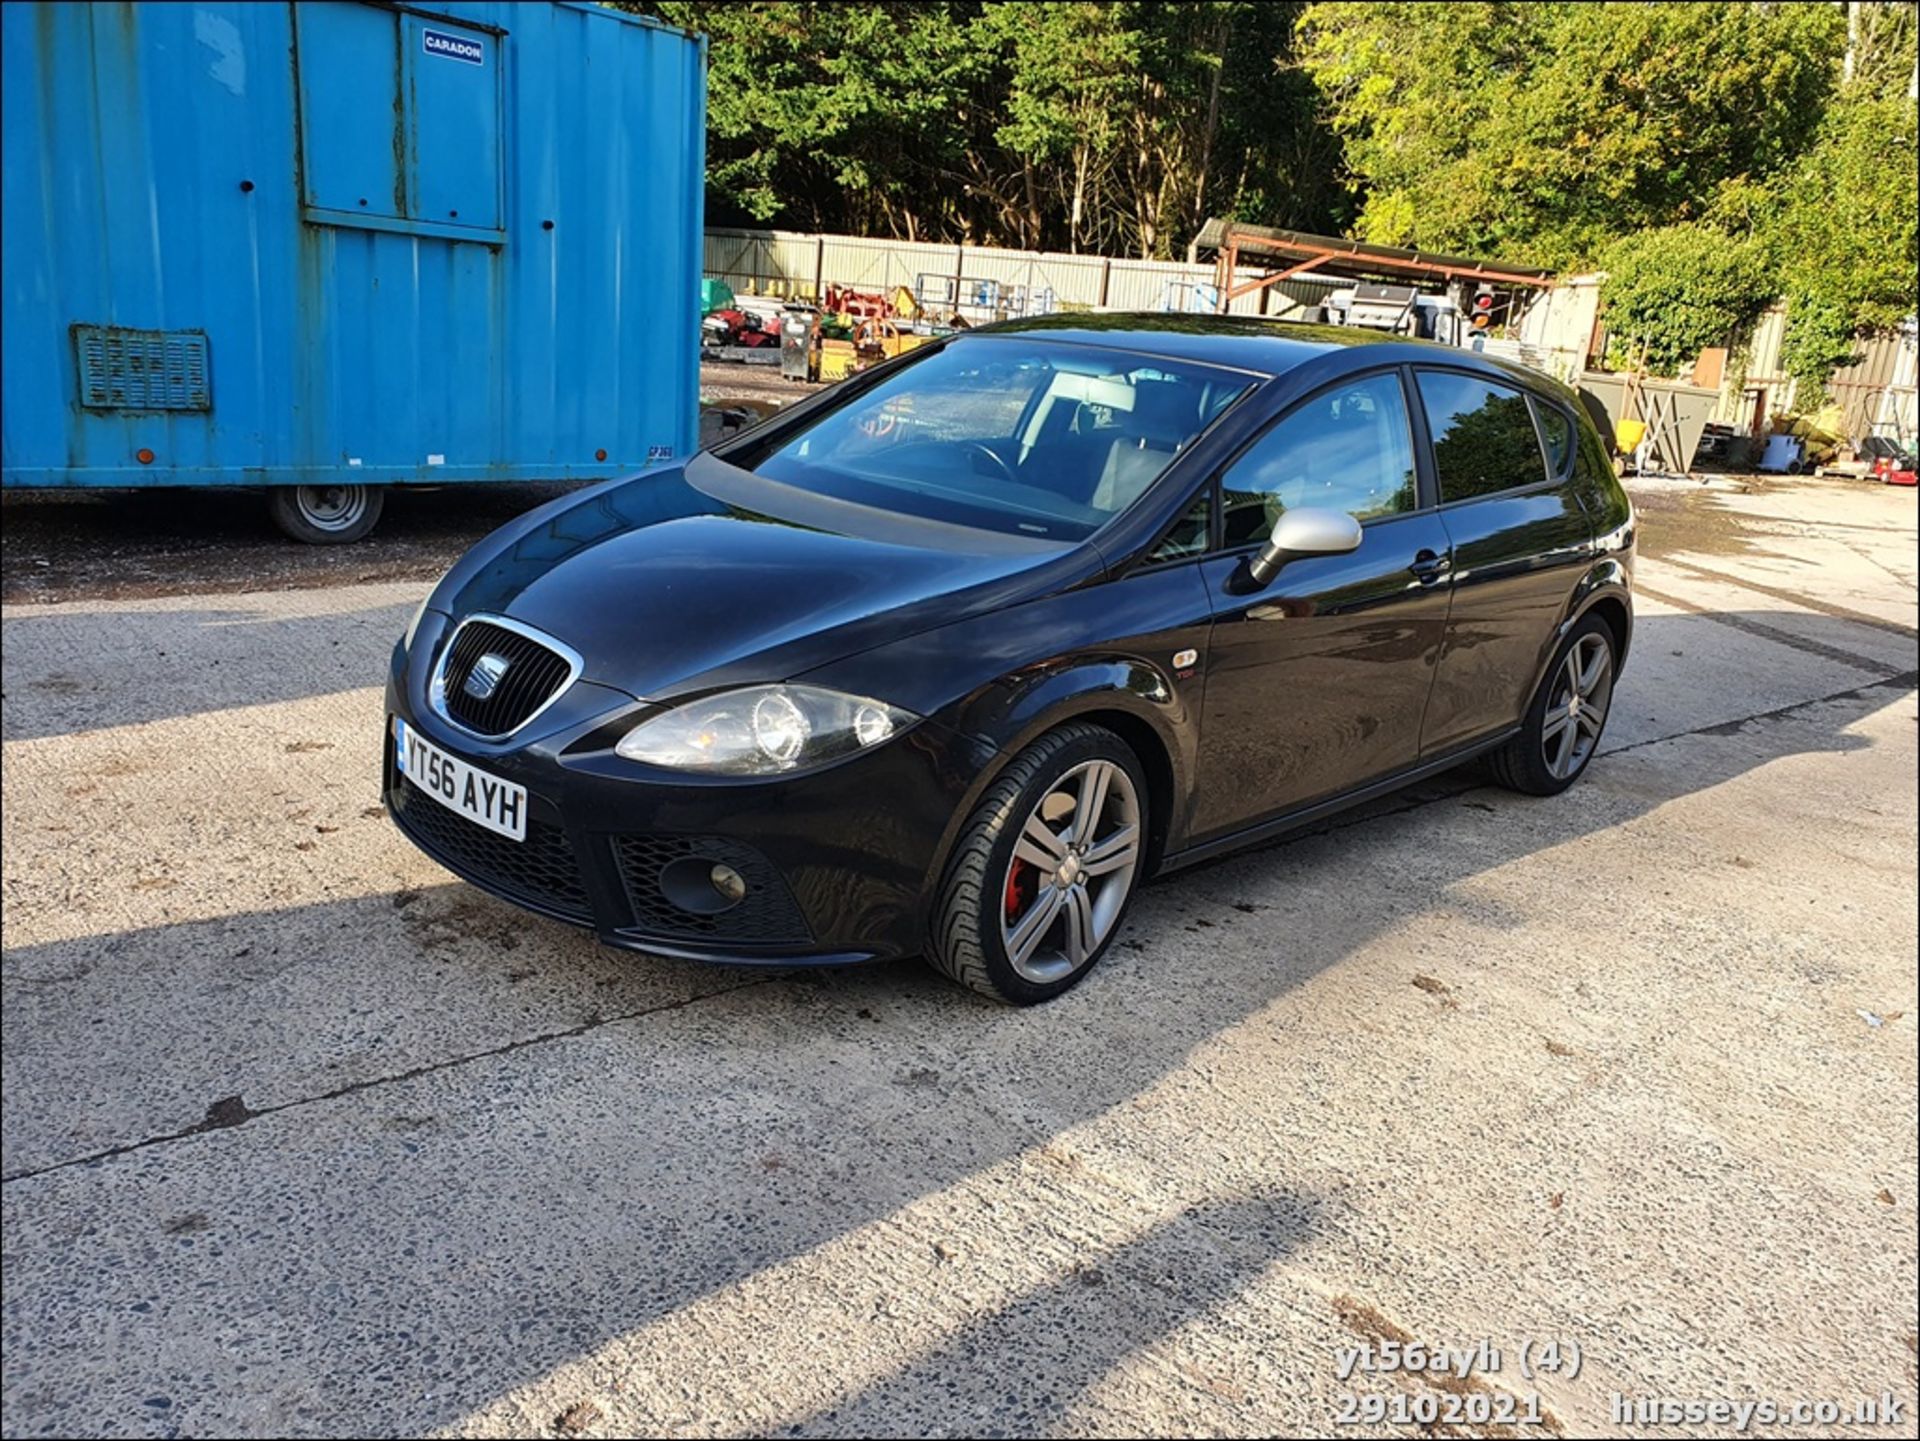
(1304, 532)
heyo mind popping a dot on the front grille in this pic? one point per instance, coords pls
(534, 674)
(540, 871)
(767, 914)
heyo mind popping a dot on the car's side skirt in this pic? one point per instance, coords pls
(1320, 810)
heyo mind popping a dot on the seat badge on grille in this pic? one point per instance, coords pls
(485, 677)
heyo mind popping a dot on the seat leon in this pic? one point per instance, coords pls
(948, 659)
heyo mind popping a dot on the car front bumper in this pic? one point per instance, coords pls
(840, 863)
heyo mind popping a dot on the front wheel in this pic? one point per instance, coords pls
(1045, 869)
(325, 514)
(1563, 725)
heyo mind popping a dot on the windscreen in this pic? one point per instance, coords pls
(1006, 433)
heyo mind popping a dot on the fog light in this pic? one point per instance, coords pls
(729, 883)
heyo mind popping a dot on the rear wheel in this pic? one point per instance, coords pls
(1563, 725)
(325, 514)
(1045, 869)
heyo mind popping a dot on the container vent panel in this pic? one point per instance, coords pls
(123, 369)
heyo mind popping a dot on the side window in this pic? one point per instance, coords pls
(1189, 534)
(1483, 436)
(1557, 431)
(1347, 448)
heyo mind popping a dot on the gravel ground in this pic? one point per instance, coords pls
(65, 545)
(303, 1137)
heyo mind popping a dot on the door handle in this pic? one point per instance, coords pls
(1428, 566)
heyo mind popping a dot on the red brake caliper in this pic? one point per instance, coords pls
(1016, 885)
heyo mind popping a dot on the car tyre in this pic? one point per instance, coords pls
(1543, 759)
(995, 881)
(326, 514)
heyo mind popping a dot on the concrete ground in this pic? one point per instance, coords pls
(301, 1136)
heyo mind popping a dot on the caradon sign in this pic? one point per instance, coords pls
(453, 47)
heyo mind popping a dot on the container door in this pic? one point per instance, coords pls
(454, 94)
(400, 121)
(348, 68)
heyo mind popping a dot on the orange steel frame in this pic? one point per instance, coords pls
(1228, 261)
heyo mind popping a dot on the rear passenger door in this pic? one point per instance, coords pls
(1520, 540)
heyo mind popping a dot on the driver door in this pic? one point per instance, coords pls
(1317, 683)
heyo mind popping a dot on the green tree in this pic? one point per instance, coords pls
(1703, 152)
(1113, 126)
(836, 116)
(1222, 120)
(1845, 223)
(1408, 89)
(1541, 132)
(1881, 47)
(1277, 161)
(1673, 291)
(1070, 68)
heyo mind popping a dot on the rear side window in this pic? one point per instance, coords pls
(1483, 436)
(1347, 448)
(1557, 433)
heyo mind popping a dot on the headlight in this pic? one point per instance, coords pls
(763, 730)
(406, 641)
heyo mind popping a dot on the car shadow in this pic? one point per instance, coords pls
(458, 1220)
(1022, 1367)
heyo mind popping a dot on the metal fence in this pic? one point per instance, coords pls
(1558, 329)
(1877, 393)
(982, 281)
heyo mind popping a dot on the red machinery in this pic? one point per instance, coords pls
(858, 304)
(738, 327)
(1892, 461)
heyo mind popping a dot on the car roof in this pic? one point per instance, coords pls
(1251, 343)
(1243, 342)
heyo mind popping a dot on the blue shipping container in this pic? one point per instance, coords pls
(332, 242)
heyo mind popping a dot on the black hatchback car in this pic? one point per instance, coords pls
(949, 658)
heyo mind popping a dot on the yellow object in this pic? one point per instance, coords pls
(1821, 433)
(837, 359)
(1627, 434)
(904, 303)
(1827, 424)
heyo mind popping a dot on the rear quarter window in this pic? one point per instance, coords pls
(1556, 433)
(1598, 484)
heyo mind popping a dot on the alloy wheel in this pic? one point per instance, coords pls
(1577, 706)
(1072, 869)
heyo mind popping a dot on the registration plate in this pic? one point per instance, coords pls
(486, 800)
